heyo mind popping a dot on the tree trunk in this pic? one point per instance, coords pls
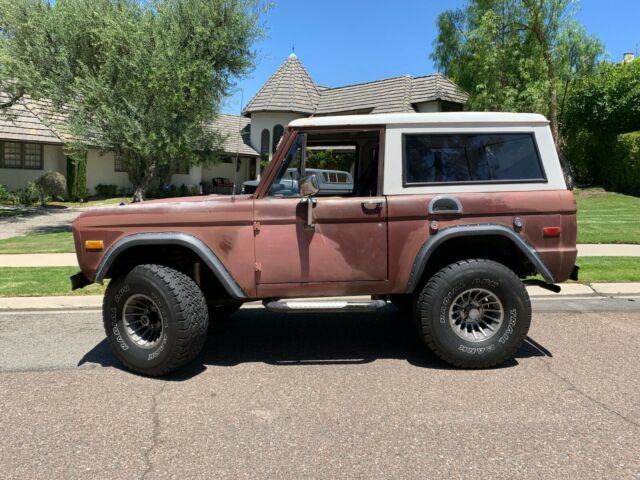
(142, 184)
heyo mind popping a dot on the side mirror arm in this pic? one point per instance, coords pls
(310, 201)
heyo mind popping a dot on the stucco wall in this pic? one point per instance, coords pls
(262, 120)
(192, 179)
(428, 107)
(100, 171)
(225, 170)
(53, 160)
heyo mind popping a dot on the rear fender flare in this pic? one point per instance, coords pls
(435, 240)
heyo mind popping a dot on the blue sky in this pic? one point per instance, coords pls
(351, 41)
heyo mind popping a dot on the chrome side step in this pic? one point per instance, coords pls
(327, 306)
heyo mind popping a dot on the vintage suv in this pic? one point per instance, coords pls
(448, 216)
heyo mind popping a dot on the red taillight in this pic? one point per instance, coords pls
(551, 231)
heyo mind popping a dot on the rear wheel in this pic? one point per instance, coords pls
(474, 313)
(155, 318)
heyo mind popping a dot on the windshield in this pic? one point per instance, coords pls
(286, 182)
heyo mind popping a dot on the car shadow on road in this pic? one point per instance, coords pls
(256, 335)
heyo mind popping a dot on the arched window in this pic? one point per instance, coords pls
(264, 144)
(278, 130)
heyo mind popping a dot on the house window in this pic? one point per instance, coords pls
(264, 145)
(22, 155)
(278, 130)
(118, 163)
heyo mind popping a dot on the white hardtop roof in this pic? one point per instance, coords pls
(438, 118)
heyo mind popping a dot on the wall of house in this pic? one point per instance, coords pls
(100, 170)
(225, 170)
(53, 160)
(192, 179)
(262, 120)
(427, 107)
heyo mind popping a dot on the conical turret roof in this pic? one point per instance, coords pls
(290, 89)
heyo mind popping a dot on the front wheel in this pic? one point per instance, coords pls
(155, 318)
(474, 313)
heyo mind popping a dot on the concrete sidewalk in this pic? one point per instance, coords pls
(69, 259)
(94, 302)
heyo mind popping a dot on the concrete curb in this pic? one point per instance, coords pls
(94, 302)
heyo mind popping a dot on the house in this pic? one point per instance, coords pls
(32, 136)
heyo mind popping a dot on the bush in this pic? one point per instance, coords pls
(51, 185)
(5, 195)
(29, 195)
(607, 160)
(106, 191)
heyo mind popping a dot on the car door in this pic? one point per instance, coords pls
(347, 241)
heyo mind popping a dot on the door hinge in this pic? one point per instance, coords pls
(256, 227)
(258, 266)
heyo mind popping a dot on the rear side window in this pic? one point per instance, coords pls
(476, 158)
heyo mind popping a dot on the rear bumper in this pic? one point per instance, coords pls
(574, 273)
(79, 281)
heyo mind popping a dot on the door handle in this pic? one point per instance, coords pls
(445, 205)
(310, 201)
(372, 205)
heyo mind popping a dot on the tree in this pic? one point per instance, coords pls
(137, 77)
(515, 54)
(607, 101)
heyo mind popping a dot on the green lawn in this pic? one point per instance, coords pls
(41, 281)
(56, 242)
(609, 269)
(606, 217)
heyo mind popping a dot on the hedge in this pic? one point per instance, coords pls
(606, 160)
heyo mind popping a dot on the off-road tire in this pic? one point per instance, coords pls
(181, 308)
(435, 304)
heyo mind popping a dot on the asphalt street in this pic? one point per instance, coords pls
(324, 396)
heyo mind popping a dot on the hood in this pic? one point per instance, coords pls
(167, 212)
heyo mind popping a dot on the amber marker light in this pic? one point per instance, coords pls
(93, 245)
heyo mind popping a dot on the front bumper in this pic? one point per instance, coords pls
(79, 281)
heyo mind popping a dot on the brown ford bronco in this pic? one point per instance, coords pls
(443, 215)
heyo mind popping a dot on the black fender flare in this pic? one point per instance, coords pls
(171, 238)
(437, 239)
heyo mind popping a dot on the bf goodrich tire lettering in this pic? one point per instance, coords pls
(155, 318)
(474, 313)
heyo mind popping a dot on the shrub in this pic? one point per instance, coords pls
(29, 195)
(5, 195)
(607, 160)
(106, 191)
(51, 185)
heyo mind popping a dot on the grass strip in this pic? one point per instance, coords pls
(41, 282)
(53, 242)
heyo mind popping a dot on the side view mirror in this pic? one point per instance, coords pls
(308, 185)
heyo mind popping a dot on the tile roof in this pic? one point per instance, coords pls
(230, 126)
(19, 122)
(291, 89)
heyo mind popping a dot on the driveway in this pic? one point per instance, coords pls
(38, 220)
(325, 396)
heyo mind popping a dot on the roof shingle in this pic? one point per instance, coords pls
(230, 126)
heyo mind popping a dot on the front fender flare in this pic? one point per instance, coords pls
(172, 238)
(435, 240)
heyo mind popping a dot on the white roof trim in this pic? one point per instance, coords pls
(438, 118)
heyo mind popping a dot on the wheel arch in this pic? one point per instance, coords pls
(479, 234)
(197, 247)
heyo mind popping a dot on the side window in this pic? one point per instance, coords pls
(264, 145)
(278, 130)
(286, 182)
(482, 158)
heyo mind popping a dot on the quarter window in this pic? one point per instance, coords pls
(481, 158)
